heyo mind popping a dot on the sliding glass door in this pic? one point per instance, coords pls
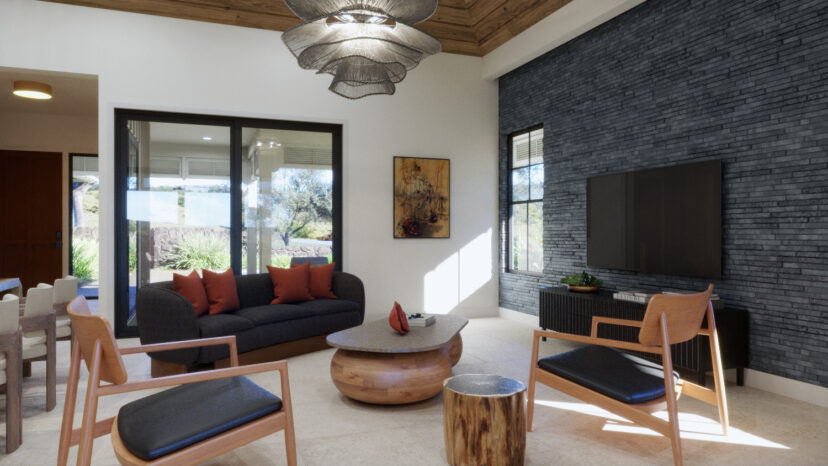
(198, 192)
(83, 216)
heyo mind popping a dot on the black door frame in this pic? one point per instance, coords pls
(235, 125)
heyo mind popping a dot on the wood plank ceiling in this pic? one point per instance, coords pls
(468, 27)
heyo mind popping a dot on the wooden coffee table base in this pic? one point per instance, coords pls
(394, 378)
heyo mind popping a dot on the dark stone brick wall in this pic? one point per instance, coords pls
(679, 81)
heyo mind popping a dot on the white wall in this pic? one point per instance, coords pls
(442, 109)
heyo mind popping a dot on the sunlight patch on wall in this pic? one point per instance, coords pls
(476, 264)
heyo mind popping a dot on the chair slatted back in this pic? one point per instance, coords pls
(9, 313)
(39, 300)
(66, 289)
(88, 330)
(684, 316)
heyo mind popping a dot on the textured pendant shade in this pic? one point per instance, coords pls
(367, 46)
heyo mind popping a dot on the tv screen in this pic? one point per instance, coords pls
(664, 220)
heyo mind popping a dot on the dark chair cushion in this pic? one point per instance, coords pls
(218, 325)
(174, 419)
(618, 375)
(274, 313)
(330, 306)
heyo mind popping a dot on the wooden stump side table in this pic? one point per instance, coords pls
(484, 420)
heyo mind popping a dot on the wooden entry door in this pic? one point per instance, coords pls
(31, 201)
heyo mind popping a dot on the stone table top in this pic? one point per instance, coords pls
(379, 337)
(484, 385)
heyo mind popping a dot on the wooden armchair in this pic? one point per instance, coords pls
(11, 374)
(629, 386)
(208, 414)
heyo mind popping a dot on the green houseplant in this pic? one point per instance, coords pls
(583, 282)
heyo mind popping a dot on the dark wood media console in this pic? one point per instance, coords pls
(562, 310)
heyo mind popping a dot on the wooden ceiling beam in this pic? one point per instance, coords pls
(468, 27)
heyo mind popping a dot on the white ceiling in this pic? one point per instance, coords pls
(72, 94)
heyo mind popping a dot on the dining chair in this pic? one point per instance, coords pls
(65, 290)
(207, 414)
(38, 343)
(630, 386)
(10, 370)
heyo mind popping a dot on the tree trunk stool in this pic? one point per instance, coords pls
(484, 420)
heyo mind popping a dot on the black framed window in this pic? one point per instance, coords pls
(526, 201)
(209, 192)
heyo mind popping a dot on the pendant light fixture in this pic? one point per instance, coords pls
(32, 90)
(368, 46)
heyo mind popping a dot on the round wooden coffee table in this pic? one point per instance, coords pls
(375, 364)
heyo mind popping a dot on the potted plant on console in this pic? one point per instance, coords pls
(582, 282)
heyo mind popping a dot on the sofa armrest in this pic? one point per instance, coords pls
(164, 315)
(348, 286)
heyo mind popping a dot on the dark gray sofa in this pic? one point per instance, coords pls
(260, 328)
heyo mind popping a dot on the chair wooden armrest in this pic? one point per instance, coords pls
(181, 379)
(612, 321)
(597, 341)
(41, 322)
(172, 345)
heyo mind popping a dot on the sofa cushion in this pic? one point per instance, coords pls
(291, 330)
(330, 306)
(218, 325)
(618, 375)
(272, 313)
(290, 285)
(190, 287)
(254, 289)
(320, 278)
(221, 290)
(174, 419)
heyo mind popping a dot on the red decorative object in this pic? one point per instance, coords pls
(398, 320)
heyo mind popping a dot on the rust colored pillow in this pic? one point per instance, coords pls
(190, 287)
(221, 291)
(320, 279)
(398, 320)
(290, 285)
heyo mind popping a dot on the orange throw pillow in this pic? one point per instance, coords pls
(398, 320)
(221, 291)
(290, 285)
(190, 287)
(320, 280)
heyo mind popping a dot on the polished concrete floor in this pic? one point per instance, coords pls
(333, 430)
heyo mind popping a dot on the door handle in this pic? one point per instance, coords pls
(59, 244)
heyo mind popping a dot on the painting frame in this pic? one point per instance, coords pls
(422, 197)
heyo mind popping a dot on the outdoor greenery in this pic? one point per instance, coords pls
(301, 199)
(200, 252)
(581, 279)
(85, 261)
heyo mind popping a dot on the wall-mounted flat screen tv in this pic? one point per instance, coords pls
(665, 220)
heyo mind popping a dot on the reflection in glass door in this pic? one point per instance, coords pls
(83, 215)
(177, 201)
(287, 197)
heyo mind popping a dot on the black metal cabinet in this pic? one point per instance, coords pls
(562, 310)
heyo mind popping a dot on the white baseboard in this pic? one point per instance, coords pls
(795, 389)
(791, 388)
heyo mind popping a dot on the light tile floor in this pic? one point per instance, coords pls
(333, 430)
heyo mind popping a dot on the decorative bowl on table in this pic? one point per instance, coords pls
(583, 289)
(581, 282)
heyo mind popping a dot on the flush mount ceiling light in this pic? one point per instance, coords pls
(367, 45)
(32, 90)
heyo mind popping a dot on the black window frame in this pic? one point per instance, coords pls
(511, 202)
(235, 124)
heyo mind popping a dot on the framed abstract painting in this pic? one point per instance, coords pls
(421, 197)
